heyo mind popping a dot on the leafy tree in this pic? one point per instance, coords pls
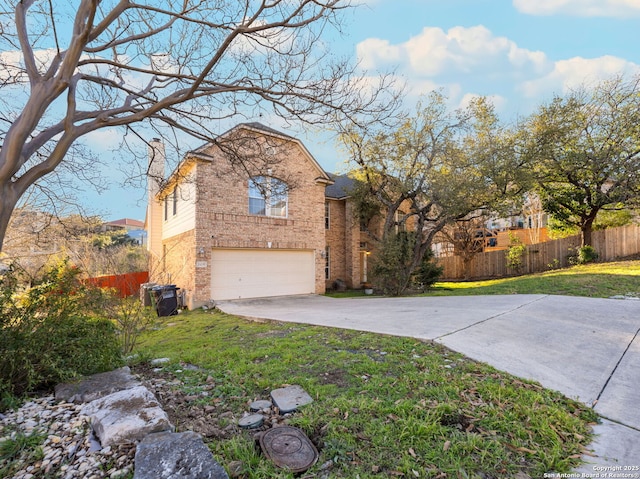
(606, 218)
(584, 150)
(430, 169)
(173, 67)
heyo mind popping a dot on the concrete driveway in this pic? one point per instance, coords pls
(586, 348)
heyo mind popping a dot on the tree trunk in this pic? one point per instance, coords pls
(587, 229)
(8, 204)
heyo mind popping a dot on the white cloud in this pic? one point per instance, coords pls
(467, 62)
(103, 139)
(460, 49)
(580, 8)
(12, 63)
(576, 72)
(373, 52)
(457, 61)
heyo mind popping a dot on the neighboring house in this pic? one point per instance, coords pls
(124, 223)
(134, 228)
(280, 227)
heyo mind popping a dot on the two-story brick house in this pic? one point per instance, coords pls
(278, 226)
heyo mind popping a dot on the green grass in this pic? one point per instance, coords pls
(19, 449)
(383, 406)
(600, 280)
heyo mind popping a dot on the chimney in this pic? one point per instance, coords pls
(155, 170)
(155, 179)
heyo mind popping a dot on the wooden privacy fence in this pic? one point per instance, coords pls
(610, 244)
(126, 284)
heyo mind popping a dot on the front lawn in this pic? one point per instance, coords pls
(383, 406)
(599, 280)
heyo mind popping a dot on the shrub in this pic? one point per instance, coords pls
(515, 253)
(429, 272)
(131, 318)
(393, 269)
(391, 264)
(52, 331)
(583, 255)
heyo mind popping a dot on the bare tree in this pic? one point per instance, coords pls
(468, 236)
(70, 69)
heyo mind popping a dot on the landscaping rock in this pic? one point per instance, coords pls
(251, 421)
(290, 398)
(159, 361)
(260, 405)
(96, 386)
(126, 416)
(168, 455)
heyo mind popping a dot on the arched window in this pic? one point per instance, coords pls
(268, 196)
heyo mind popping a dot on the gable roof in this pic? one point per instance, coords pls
(265, 130)
(200, 152)
(341, 187)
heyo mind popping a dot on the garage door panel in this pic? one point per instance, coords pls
(259, 273)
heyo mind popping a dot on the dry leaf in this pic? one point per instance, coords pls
(415, 473)
(446, 446)
(412, 452)
(521, 449)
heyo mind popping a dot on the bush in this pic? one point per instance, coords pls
(515, 253)
(390, 263)
(52, 331)
(429, 272)
(393, 268)
(583, 255)
(131, 318)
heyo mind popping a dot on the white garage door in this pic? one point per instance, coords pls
(242, 273)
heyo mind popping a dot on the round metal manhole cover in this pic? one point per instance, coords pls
(289, 448)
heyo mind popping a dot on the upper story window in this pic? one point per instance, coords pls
(166, 208)
(327, 215)
(175, 201)
(268, 196)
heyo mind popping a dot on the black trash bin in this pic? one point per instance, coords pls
(166, 299)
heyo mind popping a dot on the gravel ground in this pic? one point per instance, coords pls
(69, 450)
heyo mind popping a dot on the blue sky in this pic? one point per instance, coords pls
(518, 52)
